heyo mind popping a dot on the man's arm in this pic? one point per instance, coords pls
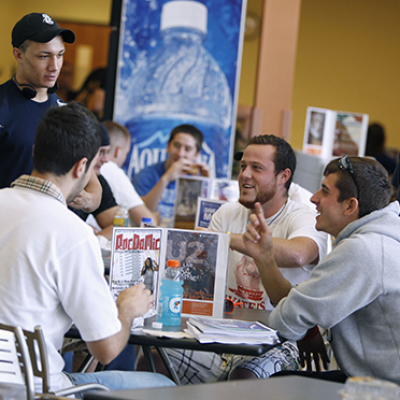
(178, 168)
(105, 219)
(131, 303)
(288, 253)
(137, 213)
(90, 197)
(259, 245)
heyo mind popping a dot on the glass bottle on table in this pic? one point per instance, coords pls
(171, 294)
(121, 217)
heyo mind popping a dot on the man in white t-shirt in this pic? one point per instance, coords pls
(124, 193)
(266, 171)
(50, 262)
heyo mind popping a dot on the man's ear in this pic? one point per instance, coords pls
(17, 53)
(79, 168)
(351, 206)
(117, 151)
(284, 176)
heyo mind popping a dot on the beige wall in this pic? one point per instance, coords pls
(89, 11)
(249, 59)
(348, 59)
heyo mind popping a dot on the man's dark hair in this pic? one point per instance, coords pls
(284, 156)
(66, 135)
(190, 130)
(374, 191)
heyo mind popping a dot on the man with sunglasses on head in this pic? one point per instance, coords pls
(355, 290)
(267, 167)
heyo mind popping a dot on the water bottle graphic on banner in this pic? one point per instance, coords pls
(184, 85)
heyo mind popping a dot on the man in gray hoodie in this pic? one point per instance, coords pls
(355, 290)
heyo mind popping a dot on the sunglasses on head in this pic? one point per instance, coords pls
(345, 165)
(230, 306)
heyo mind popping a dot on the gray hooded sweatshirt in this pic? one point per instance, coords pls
(355, 291)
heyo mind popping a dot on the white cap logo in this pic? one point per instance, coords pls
(47, 19)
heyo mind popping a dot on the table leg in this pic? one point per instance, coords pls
(149, 358)
(168, 364)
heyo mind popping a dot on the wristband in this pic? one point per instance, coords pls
(311, 334)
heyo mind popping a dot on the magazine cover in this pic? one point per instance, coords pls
(350, 134)
(204, 263)
(330, 133)
(135, 258)
(224, 189)
(318, 134)
(205, 210)
(140, 255)
(188, 189)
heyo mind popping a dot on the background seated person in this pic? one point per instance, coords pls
(375, 147)
(122, 188)
(104, 214)
(156, 183)
(266, 169)
(50, 262)
(355, 291)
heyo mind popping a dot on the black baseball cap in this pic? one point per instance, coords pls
(105, 138)
(39, 28)
(238, 155)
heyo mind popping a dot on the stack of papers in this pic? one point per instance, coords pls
(218, 330)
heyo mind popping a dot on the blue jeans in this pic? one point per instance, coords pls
(116, 380)
(125, 361)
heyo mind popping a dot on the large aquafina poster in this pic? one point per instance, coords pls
(179, 63)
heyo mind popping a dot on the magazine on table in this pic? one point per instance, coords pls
(190, 188)
(208, 330)
(331, 133)
(205, 210)
(224, 189)
(140, 255)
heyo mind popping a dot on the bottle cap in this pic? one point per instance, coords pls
(157, 325)
(173, 263)
(184, 14)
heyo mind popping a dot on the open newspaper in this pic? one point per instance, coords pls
(209, 330)
(140, 255)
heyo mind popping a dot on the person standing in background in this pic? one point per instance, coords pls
(38, 48)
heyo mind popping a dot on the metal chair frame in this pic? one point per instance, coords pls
(31, 351)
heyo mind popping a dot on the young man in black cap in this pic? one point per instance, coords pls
(38, 47)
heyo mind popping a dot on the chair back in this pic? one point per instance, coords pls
(38, 356)
(15, 363)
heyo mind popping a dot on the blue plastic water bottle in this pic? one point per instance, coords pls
(171, 291)
(184, 85)
(146, 222)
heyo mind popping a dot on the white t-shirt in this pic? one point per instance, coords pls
(123, 191)
(51, 274)
(301, 195)
(244, 282)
